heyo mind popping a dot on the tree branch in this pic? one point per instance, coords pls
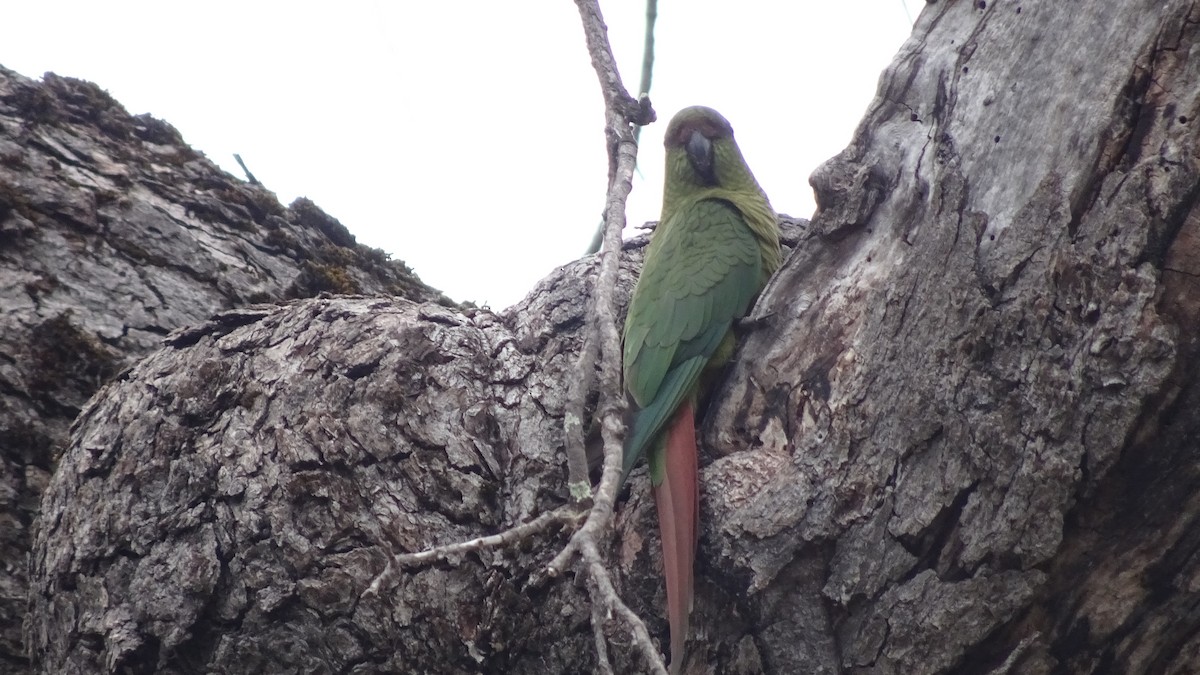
(643, 91)
(514, 534)
(621, 113)
(599, 613)
(647, 58)
(249, 176)
(601, 352)
(601, 588)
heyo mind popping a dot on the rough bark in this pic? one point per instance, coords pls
(960, 439)
(113, 232)
(225, 504)
(972, 422)
(277, 457)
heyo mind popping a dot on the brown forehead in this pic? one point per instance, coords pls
(709, 127)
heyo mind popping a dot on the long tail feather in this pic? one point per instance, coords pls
(654, 417)
(677, 499)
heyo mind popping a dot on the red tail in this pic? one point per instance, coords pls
(677, 500)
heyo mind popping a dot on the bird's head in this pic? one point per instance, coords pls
(701, 153)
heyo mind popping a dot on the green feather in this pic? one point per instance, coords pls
(650, 420)
(716, 244)
(680, 312)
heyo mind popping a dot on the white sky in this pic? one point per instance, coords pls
(466, 138)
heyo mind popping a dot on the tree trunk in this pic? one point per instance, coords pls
(113, 232)
(961, 438)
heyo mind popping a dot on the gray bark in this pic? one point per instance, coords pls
(971, 427)
(960, 439)
(282, 454)
(113, 232)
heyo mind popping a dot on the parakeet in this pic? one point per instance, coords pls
(716, 245)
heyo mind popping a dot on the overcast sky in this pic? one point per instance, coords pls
(466, 138)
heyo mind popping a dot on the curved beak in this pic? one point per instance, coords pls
(700, 154)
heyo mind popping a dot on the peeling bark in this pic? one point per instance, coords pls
(960, 437)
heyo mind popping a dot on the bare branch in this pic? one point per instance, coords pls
(601, 588)
(601, 352)
(1018, 653)
(604, 325)
(599, 614)
(249, 176)
(647, 58)
(562, 515)
(643, 90)
(622, 112)
(616, 99)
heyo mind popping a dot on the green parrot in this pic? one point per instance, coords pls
(716, 245)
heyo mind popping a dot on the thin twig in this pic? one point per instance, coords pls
(514, 534)
(643, 95)
(578, 484)
(599, 614)
(621, 113)
(604, 589)
(1015, 656)
(604, 324)
(602, 343)
(249, 176)
(586, 539)
(647, 58)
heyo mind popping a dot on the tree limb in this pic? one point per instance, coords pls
(647, 58)
(621, 113)
(643, 93)
(564, 515)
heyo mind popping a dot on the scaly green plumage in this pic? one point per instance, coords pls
(716, 245)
